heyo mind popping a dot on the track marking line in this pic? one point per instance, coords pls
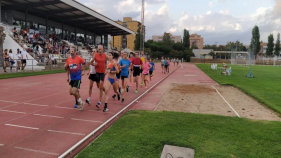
(8, 101)
(21, 126)
(35, 104)
(81, 134)
(1, 144)
(100, 111)
(37, 151)
(86, 120)
(13, 111)
(227, 102)
(64, 108)
(47, 116)
(46, 96)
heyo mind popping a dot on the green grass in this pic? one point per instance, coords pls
(143, 134)
(26, 74)
(265, 86)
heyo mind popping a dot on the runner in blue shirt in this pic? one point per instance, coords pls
(124, 64)
(151, 69)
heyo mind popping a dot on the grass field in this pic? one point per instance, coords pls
(265, 86)
(25, 74)
(143, 134)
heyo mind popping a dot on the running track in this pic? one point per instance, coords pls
(37, 118)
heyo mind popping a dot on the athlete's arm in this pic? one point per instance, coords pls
(67, 73)
(83, 67)
(92, 61)
(89, 69)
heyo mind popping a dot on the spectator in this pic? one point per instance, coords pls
(6, 59)
(24, 58)
(54, 61)
(11, 59)
(15, 32)
(19, 55)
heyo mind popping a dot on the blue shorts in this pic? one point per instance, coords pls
(112, 80)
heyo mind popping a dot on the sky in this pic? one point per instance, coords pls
(217, 21)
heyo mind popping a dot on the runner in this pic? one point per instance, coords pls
(24, 58)
(6, 59)
(162, 64)
(76, 69)
(146, 66)
(124, 64)
(19, 55)
(118, 75)
(112, 69)
(174, 61)
(131, 68)
(142, 56)
(11, 59)
(168, 68)
(166, 65)
(92, 78)
(178, 61)
(137, 66)
(151, 69)
(100, 59)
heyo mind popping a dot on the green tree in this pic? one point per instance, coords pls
(212, 54)
(277, 46)
(255, 42)
(270, 45)
(194, 47)
(167, 40)
(178, 46)
(186, 41)
(137, 40)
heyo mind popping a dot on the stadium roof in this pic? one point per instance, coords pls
(71, 13)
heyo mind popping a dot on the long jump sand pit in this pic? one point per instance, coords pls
(206, 100)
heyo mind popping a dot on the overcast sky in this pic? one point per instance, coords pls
(216, 20)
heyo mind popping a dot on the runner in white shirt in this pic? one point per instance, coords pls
(19, 55)
(11, 59)
(24, 57)
(92, 77)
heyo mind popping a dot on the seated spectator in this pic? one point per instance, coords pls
(15, 32)
(54, 61)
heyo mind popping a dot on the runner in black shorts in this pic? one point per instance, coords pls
(137, 63)
(124, 65)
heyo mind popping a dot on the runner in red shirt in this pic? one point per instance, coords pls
(137, 63)
(75, 67)
(100, 60)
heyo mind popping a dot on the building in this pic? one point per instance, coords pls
(126, 41)
(176, 39)
(196, 40)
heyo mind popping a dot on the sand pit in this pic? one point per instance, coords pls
(205, 100)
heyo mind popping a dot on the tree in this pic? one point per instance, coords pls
(2, 38)
(137, 40)
(186, 41)
(167, 40)
(212, 54)
(270, 45)
(255, 42)
(277, 46)
(194, 47)
(178, 47)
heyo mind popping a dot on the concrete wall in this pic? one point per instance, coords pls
(199, 53)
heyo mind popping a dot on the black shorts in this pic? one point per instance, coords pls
(93, 77)
(23, 61)
(145, 74)
(150, 72)
(100, 77)
(166, 66)
(6, 59)
(118, 75)
(123, 77)
(140, 70)
(75, 83)
(136, 71)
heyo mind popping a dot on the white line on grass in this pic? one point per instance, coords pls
(81, 134)
(226, 102)
(48, 116)
(13, 111)
(21, 126)
(86, 120)
(37, 151)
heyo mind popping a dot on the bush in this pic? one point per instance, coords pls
(187, 58)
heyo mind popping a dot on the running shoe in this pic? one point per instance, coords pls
(136, 91)
(75, 106)
(81, 106)
(118, 97)
(88, 101)
(122, 91)
(127, 88)
(98, 104)
(114, 96)
(122, 100)
(105, 109)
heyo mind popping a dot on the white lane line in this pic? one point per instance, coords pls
(226, 102)
(65, 108)
(45, 96)
(13, 111)
(37, 151)
(8, 101)
(35, 104)
(1, 144)
(48, 116)
(81, 134)
(100, 111)
(21, 126)
(86, 120)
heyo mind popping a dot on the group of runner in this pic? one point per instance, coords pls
(125, 66)
(166, 62)
(9, 59)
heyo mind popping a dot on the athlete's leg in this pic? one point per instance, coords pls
(124, 82)
(106, 88)
(90, 92)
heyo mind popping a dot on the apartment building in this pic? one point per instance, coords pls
(196, 40)
(176, 39)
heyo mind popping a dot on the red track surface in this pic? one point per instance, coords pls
(37, 118)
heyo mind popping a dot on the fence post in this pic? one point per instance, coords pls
(32, 64)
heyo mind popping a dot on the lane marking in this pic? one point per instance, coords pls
(47, 116)
(46, 96)
(37, 151)
(100, 111)
(81, 134)
(190, 75)
(8, 101)
(21, 126)
(1, 144)
(105, 123)
(35, 104)
(226, 102)
(86, 120)
(65, 108)
(13, 111)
